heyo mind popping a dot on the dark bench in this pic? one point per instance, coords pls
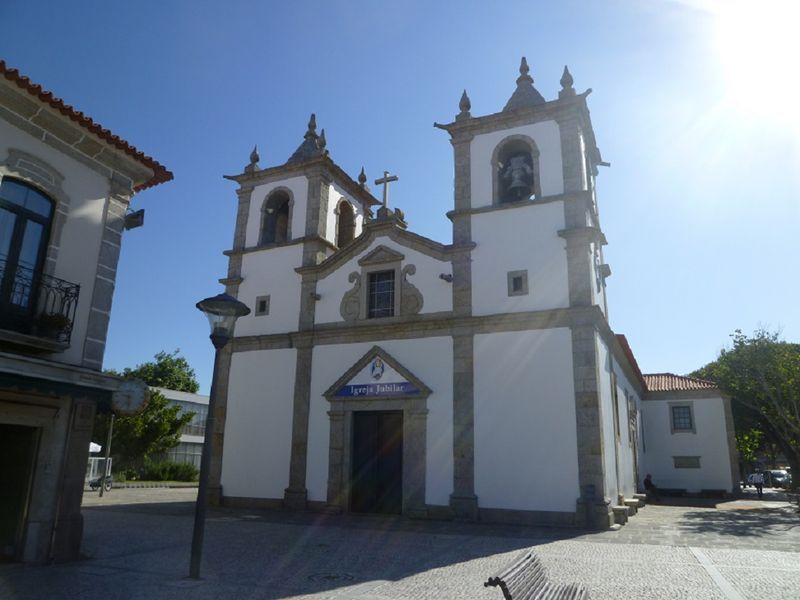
(526, 579)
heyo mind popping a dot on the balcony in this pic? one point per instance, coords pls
(37, 311)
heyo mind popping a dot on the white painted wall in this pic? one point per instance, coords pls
(431, 361)
(709, 443)
(627, 449)
(80, 239)
(271, 272)
(335, 195)
(437, 294)
(299, 188)
(258, 426)
(516, 239)
(548, 139)
(525, 434)
(607, 419)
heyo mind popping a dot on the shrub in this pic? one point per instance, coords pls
(169, 471)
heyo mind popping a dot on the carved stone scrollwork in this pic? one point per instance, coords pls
(411, 300)
(350, 307)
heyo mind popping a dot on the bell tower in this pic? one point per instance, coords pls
(525, 214)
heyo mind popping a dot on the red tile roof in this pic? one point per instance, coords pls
(668, 382)
(160, 173)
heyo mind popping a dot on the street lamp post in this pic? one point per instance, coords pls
(222, 311)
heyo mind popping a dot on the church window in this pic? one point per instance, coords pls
(262, 305)
(518, 283)
(380, 294)
(25, 216)
(682, 418)
(515, 170)
(686, 462)
(346, 227)
(275, 220)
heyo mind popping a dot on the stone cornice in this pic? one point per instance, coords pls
(553, 110)
(295, 242)
(378, 229)
(583, 235)
(577, 197)
(325, 163)
(418, 326)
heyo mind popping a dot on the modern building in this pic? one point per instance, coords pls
(190, 448)
(65, 187)
(382, 371)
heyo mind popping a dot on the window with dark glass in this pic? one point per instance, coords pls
(25, 215)
(682, 418)
(381, 294)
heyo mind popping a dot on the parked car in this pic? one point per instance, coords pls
(778, 478)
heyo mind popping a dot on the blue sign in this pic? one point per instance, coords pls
(366, 390)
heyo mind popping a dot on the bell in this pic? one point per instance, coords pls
(519, 173)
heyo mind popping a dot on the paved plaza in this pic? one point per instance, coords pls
(136, 545)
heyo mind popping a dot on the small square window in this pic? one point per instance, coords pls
(686, 462)
(381, 294)
(518, 283)
(262, 305)
(682, 420)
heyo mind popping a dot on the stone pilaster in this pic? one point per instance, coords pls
(463, 501)
(572, 158)
(217, 436)
(296, 495)
(106, 274)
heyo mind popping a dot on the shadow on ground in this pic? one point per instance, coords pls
(746, 521)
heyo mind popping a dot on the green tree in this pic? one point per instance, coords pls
(762, 373)
(169, 371)
(156, 428)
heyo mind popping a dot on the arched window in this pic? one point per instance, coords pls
(515, 170)
(275, 221)
(346, 229)
(25, 217)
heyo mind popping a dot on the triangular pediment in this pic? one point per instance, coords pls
(377, 375)
(380, 255)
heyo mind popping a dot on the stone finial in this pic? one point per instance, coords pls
(464, 105)
(362, 179)
(566, 84)
(524, 69)
(525, 95)
(254, 158)
(313, 145)
(322, 142)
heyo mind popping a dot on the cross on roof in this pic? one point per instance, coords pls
(385, 181)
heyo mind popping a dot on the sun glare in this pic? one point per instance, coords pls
(759, 46)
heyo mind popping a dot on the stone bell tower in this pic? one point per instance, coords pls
(526, 212)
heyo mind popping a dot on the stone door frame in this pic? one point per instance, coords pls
(414, 408)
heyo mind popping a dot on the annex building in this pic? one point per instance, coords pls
(382, 371)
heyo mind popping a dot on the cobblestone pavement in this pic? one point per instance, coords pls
(136, 543)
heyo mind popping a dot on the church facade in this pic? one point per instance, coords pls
(382, 371)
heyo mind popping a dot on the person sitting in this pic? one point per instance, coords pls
(650, 488)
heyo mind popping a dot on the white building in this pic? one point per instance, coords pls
(190, 447)
(65, 186)
(381, 371)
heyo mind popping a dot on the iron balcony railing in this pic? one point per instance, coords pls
(37, 304)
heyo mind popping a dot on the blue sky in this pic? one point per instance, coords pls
(700, 205)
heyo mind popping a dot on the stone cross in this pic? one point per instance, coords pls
(385, 181)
